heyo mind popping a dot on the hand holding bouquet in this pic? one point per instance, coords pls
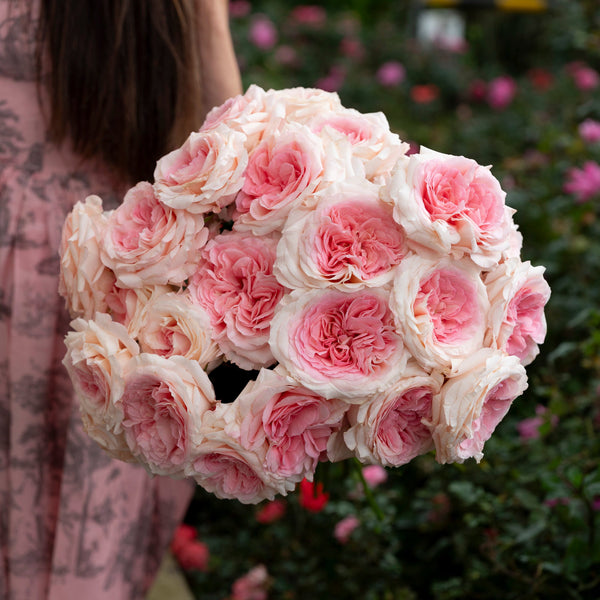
(380, 295)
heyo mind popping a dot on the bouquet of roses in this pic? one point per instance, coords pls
(379, 294)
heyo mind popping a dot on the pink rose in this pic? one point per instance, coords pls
(98, 353)
(293, 422)
(337, 344)
(472, 403)
(263, 33)
(236, 287)
(391, 74)
(501, 92)
(372, 142)
(222, 466)
(518, 294)
(282, 170)
(162, 403)
(348, 240)
(374, 475)
(171, 324)
(589, 130)
(391, 428)
(583, 183)
(450, 205)
(205, 174)
(84, 280)
(584, 76)
(271, 511)
(344, 528)
(251, 586)
(147, 243)
(441, 309)
(125, 303)
(309, 14)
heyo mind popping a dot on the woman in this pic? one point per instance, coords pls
(116, 84)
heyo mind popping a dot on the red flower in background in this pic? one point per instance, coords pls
(189, 552)
(271, 511)
(540, 78)
(312, 497)
(424, 94)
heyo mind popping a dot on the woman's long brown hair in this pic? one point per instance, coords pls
(123, 78)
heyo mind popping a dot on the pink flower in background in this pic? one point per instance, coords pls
(189, 552)
(583, 183)
(585, 77)
(286, 55)
(391, 74)
(263, 33)
(333, 81)
(309, 14)
(559, 501)
(271, 511)
(344, 528)
(239, 8)
(501, 92)
(589, 131)
(251, 586)
(352, 48)
(374, 475)
(424, 94)
(529, 429)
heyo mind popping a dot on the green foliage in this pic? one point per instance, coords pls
(525, 522)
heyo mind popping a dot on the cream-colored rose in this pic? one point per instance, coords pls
(98, 354)
(440, 308)
(302, 105)
(171, 324)
(391, 428)
(222, 466)
(472, 402)
(84, 280)
(518, 294)
(205, 173)
(162, 403)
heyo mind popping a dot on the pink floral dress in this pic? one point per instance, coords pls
(73, 522)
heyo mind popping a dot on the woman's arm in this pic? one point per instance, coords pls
(220, 75)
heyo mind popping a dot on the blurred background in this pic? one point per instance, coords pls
(514, 84)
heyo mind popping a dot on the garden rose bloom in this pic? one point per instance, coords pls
(472, 403)
(271, 511)
(391, 74)
(236, 287)
(251, 586)
(307, 14)
(450, 205)
(583, 183)
(302, 105)
(589, 130)
(584, 76)
(84, 280)
(334, 79)
(294, 423)
(372, 142)
(222, 466)
(337, 344)
(529, 429)
(189, 552)
(262, 32)
(125, 303)
(518, 294)
(98, 353)
(425, 93)
(171, 324)
(312, 496)
(147, 243)
(441, 308)
(501, 92)
(205, 173)
(374, 475)
(390, 429)
(344, 528)
(162, 403)
(348, 240)
(282, 170)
